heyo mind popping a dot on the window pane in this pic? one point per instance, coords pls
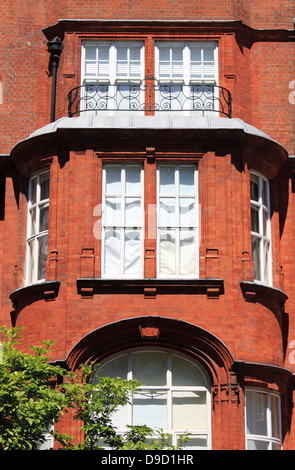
(44, 213)
(128, 61)
(113, 211)
(150, 408)
(185, 372)
(266, 261)
(122, 52)
(103, 61)
(167, 252)
(254, 187)
(112, 252)
(264, 192)
(167, 180)
(117, 367)
(186, 180)
(209, 54)
(132, 212)
(132, 252)
(31, 252)
(135, 69)
(275, 446)
(133, 179)
(33, 190)
(120, 418)
(32, 224)
(113, 179)
(187, 252)
(257, 445)
(42, 255)
(90, 69)
(265, 222)
(90, 52)
(256, 413)
(256, 257)
(167, 212)
(254, 219)
(275, 428)
(44, 184)
(186, 212)
(189, 410)
(149, 368)
(196, 443)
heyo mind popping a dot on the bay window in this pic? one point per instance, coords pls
(37, 227)
(263, 422)
(260, 228)
(174, 395)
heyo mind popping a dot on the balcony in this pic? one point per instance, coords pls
(149, 97)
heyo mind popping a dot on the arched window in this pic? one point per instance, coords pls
(174, 395)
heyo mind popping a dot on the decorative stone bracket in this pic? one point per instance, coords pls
(23, 296)
(229, 392)
(254, 292)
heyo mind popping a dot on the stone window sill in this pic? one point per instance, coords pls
(150, 288)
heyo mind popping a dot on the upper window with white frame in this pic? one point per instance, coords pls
(188, 73)
(187, 62)
(263, 420)
(184, 79)
(108, 70)
(37, 229)
(174, 395)
(260, 228)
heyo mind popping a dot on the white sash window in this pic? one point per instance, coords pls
(263, 420)
(178, 243)
(111, 74)
(122, 233)
(187, 73)
(260, 228)
(37, 229)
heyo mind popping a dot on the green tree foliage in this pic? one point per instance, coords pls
(31, 401)
(29, 404)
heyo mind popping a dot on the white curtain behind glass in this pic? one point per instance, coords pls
(177, 220)
(123, 220)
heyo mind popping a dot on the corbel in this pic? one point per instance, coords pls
(150, 154)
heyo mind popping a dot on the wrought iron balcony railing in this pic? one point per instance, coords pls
(149, 96)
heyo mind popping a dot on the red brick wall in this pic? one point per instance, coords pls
(257, 67)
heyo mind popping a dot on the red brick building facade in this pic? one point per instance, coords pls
(147, 224)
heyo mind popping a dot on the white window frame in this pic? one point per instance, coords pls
(169, 389)
(262, 236)
(194, 228)
(269, 439)
(33, 262)
(48, 439)
(187, 80)
(139, 224)
(112, 80)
